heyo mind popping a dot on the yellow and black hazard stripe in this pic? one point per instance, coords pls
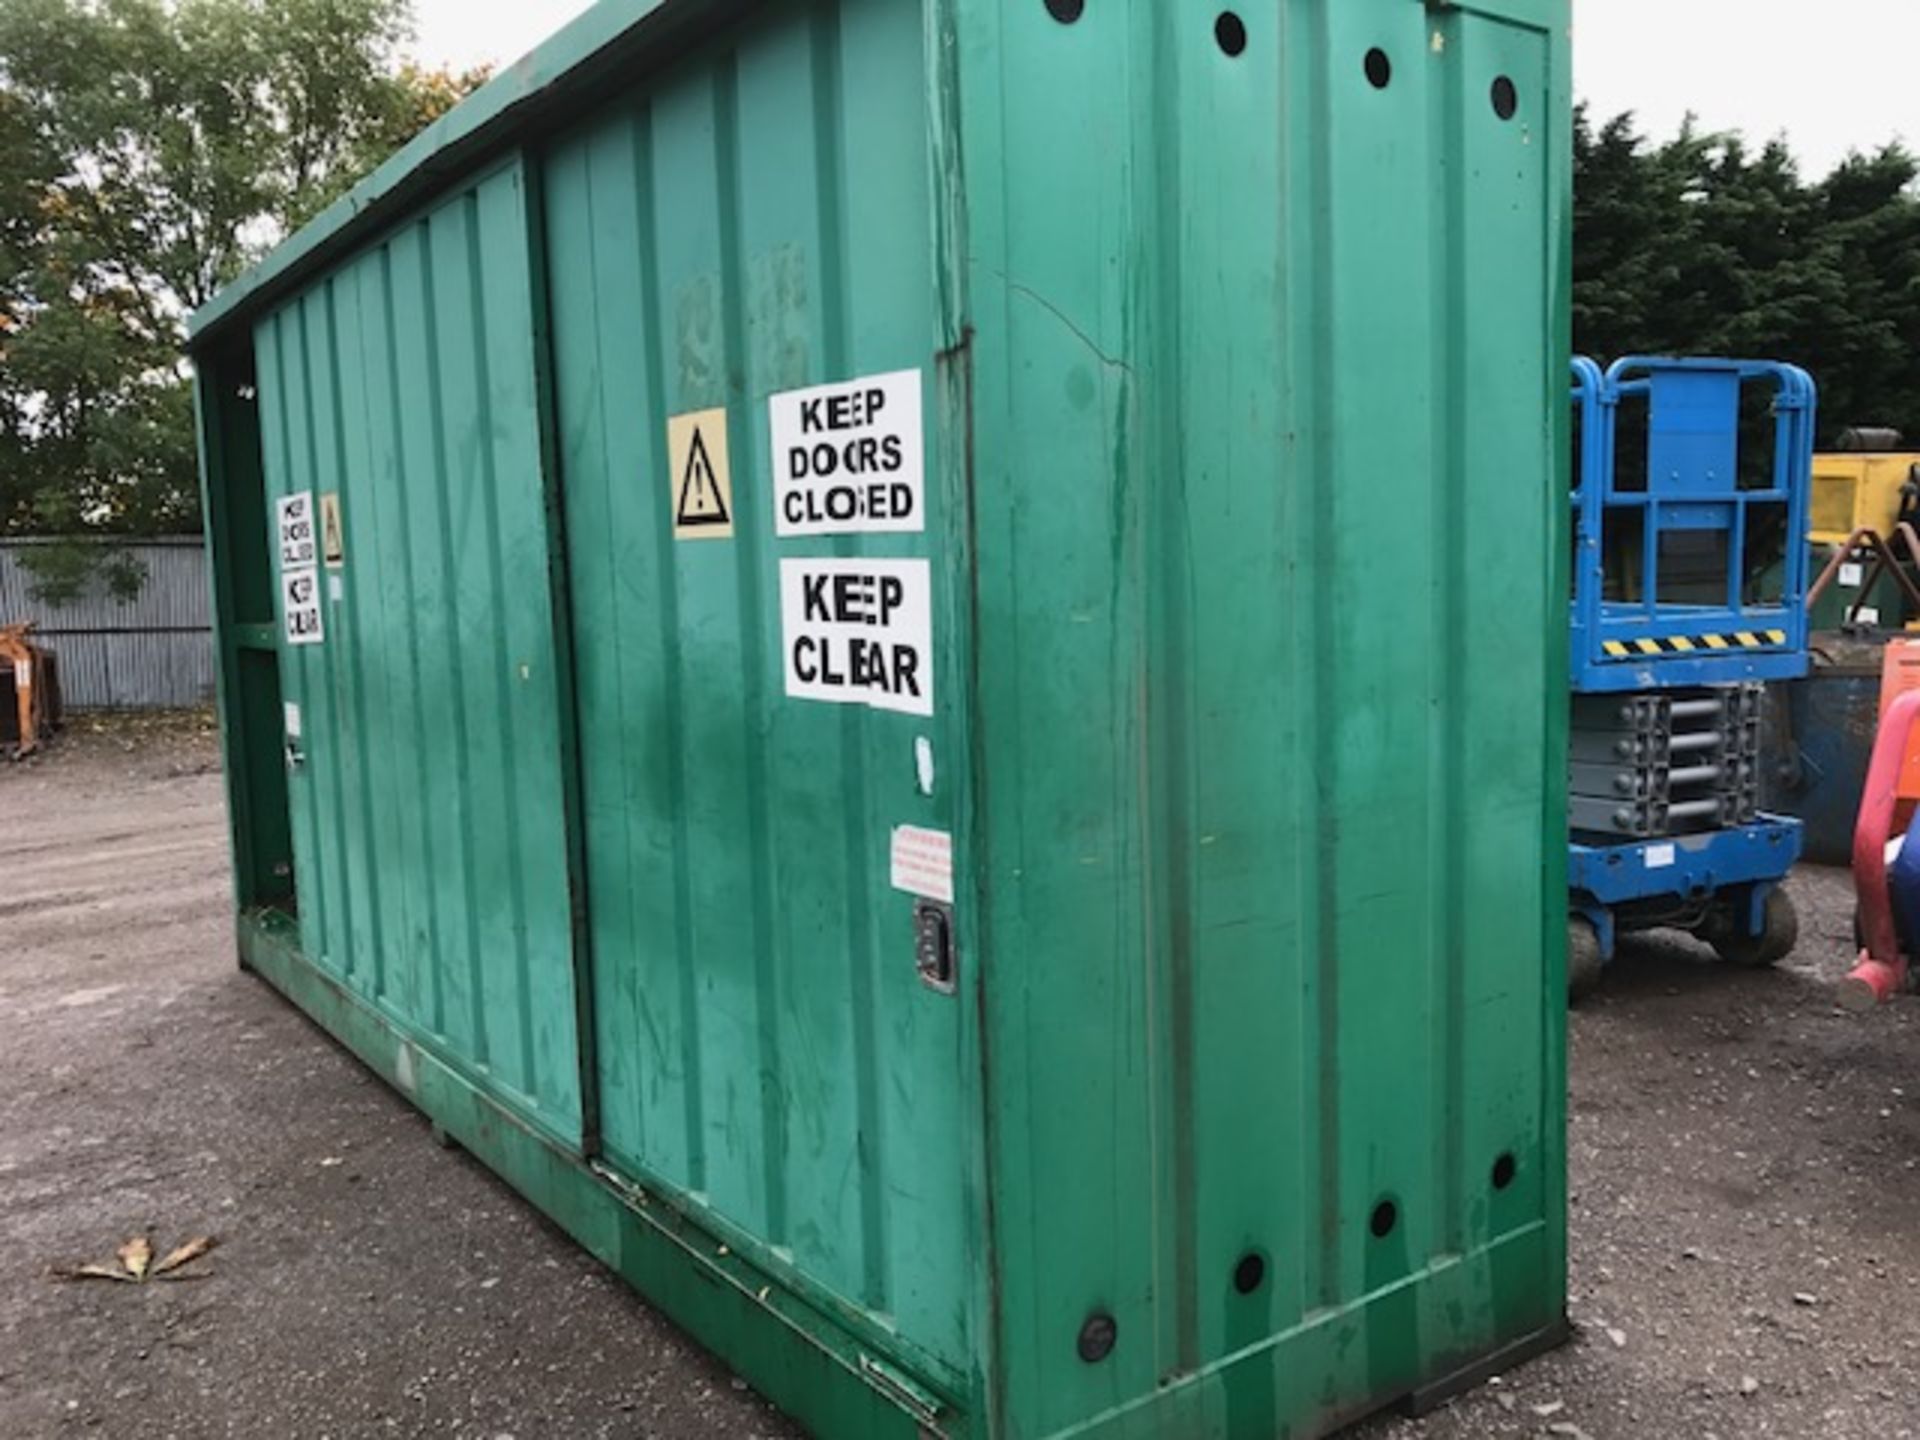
(1695, 644)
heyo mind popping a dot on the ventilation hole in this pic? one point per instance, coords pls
(1098, 1337)
(1506, 99)
(1231, 31)
(1386, 1215)
(1504, 1169)
(1379, 69)
(1066, 11)
(1251, 1273)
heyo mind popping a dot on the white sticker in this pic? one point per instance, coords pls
(849, 459)
(923, 863)
(336, 588)
(1866, 615)
(859, 632)
(291, 720)
(1851, 574)
(23, 673)
(1659, 857)
(923, 764)
(300, 598)
(299, 544)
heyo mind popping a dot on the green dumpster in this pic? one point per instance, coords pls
(908, 660)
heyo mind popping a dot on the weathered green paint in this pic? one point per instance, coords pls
(1262, 736)
(770, 945)
(1261, 900)
(430, 819)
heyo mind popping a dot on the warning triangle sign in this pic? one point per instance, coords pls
(701, 502)
(333, 538)
(703, 489)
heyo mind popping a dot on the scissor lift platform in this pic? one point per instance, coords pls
(1689, 596)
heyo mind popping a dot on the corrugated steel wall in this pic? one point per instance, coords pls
(428, 835)
(756, 224)
(153, 652)
(1266, 408)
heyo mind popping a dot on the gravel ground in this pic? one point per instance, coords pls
(1746, 1169)
(368, 1283)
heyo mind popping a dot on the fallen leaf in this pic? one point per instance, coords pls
(137, 1267)
(96, 1272)
(184, 1254)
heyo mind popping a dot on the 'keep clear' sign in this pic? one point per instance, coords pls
(859, 632)
(300, 601)
(849, 458)
(299, 574)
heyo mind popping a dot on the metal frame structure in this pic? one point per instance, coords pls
(1693, 485)
(1710, 862)
(1608, 879)
(1886, 561)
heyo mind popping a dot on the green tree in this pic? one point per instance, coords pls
(149, 151)
(1861, 339)
(1700, 245)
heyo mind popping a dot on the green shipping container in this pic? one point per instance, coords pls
(908, 659)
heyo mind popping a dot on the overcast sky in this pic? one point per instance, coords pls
(1835, 76)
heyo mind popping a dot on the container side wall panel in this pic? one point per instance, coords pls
(430, 840)
(386, 631)
(1506, 333)
(446, 833)
(759, 224)
(878, 308)
(1268, 353)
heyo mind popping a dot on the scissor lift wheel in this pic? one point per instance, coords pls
(1585, 963)
(1781, 932)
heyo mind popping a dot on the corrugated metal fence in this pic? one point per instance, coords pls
(153, 652)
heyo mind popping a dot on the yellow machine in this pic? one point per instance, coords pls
(1856, 490)
(1863, 524)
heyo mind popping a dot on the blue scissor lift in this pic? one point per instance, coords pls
(1689, 589)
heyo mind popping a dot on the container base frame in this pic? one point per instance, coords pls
(798, 1357)
(790, 1352)
(1475, 1373)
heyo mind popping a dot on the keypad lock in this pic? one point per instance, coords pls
(933, 949)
